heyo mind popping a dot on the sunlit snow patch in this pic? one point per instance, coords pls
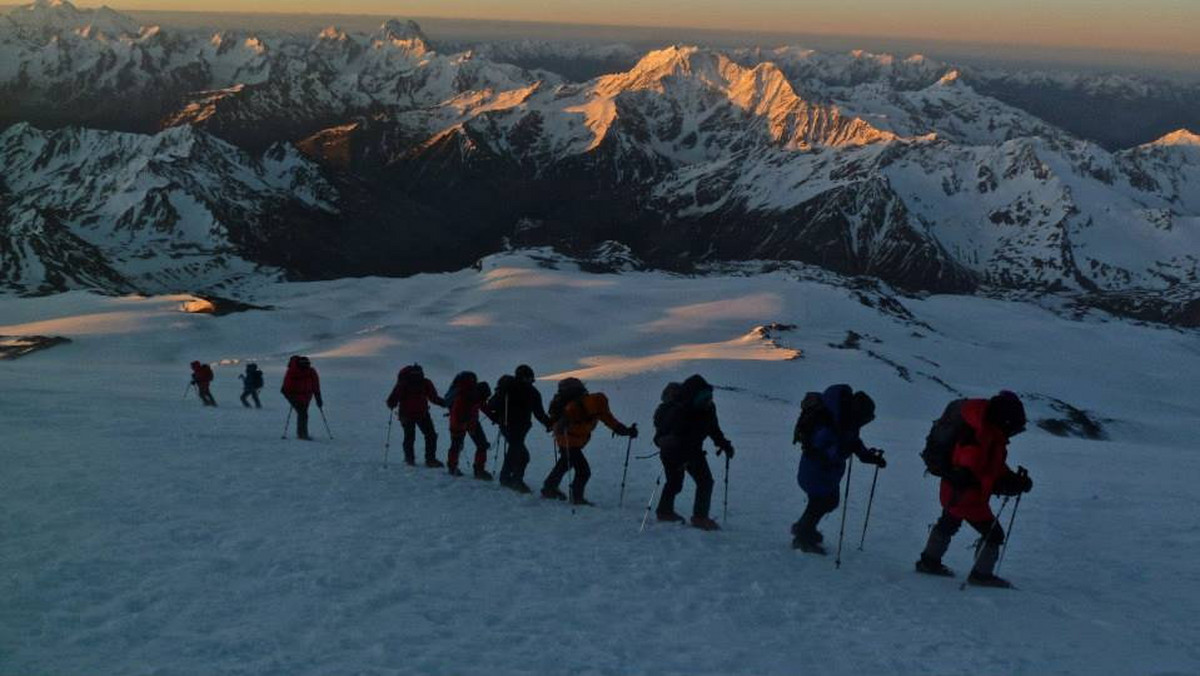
(513, 278)
(687, 317)
(752, 346)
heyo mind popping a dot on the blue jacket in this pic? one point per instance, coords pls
(821, 468)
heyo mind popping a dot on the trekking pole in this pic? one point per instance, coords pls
(387, 441)
(625, 473)
(571, 486)
(1021, 471)
(845, 503)
(188, 390)
(501, 433)
(870, 501)
(322, 410)
(288, 422)
(657, 483)
(983, 541)
(725, 507)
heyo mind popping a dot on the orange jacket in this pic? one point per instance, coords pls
(579, 419)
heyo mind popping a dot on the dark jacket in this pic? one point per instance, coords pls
(515, 404)
(682, 423)
(821, 467)
(252, 379)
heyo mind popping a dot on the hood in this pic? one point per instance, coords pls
(692, 388)
(837, 399)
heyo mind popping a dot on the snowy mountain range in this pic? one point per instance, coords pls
(210, 157)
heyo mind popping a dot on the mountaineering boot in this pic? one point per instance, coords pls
(553, 494)
(931, 567)
(410, 461)
(454, 471)
(669, 517)
(808, 541)
(580, 500)
(519, 486)
(817, 537)
(431, 461)
(482, 474)
(987, 580)
(704, 523)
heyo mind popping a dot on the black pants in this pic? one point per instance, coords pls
(818, 506)
(301, 419)
(206, 397)
(570, 458)
(675, 465)
(253, 394)
(457, 440)
(516, 455)
(425, 424)
(992, 536)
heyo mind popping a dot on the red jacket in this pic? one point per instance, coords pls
(301, 384)
(413, 399)
(985, 456)
(464, 410)
(202, 373)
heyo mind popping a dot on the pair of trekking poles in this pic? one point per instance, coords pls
(658, 483)
(846, 503)
(288, 422)
(1012, 518)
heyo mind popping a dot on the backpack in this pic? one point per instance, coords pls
(947, 432)
(499, 399)
(255, 380)
(666, 413)
(813, 414)
(462, 382)
(569, 390)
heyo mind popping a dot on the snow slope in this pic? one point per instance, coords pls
(145, 534)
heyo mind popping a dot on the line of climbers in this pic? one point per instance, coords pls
(967, 447)
(202, 377)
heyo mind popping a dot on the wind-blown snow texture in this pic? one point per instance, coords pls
(145, 534)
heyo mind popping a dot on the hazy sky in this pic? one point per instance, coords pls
(1138, 25)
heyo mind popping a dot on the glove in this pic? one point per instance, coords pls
(632, 431)
(877, 458)
(727, 448)
(320, 404)
(1024, 483)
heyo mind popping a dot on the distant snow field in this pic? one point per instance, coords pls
(143, 534)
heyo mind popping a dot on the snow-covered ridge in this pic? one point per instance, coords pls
(1180, 137)
(156, 213)
(898, 168)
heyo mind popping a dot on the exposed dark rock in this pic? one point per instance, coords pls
(15, 347)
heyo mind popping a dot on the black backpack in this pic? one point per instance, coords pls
(666, 414)
(499, 399)
(947, 432)
(569, 390)
(255, 379)
(813, 414)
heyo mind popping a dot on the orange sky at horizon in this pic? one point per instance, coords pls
(1108, 25)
